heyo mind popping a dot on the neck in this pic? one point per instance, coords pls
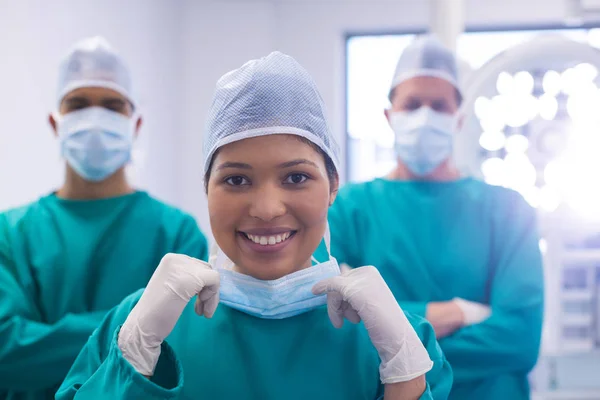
(77, 188)
(445, 172)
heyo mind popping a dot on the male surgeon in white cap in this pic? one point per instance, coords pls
(453, 249)
(69, 257)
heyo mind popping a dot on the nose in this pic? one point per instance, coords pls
(268, 203)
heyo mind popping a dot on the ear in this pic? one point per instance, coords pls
(138, 126)
(460, 122)
(387, 112)
(335, 186)
(53, 124)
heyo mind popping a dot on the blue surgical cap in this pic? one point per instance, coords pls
(426, 56)
(271, 95)
(92, 62)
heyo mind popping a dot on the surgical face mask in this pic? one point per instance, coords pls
(424, 138)
(280, 298)
(95, 141)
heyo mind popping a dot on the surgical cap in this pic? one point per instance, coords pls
(271, 95)
(92, 62)
(426, 56)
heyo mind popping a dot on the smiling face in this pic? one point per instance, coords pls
(268, 199)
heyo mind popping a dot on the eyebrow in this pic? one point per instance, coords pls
(287, 164)
(239, 165)
(114, 101)
(300, 161)
(76, 100)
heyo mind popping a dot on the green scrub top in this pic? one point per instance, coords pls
(434, 241)
(63, 265)
(238, 356)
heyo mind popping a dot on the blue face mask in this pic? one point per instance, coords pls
(281, 298)
(424, 138)
(95, 141)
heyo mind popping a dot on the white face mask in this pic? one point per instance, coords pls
(424, 138)
(95, 141)
(285, 297)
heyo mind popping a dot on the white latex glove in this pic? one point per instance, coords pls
(474, 312)
(345, 267)
(177, 279)
(363, 294)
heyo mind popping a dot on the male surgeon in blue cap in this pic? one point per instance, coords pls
(69, 257)
(455, 250)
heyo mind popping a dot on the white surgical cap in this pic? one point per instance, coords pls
(92, 62)
(426, 56)
(271, 95)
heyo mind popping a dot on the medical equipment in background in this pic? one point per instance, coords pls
(533, 114)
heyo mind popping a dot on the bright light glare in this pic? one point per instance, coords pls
(553, 174)
(517, 144)
(523, 82)
(548, 107)
(505, 83)
(492, 141)
(520, 173)
(549, 199)
(551, 83)
(493, 171)
(494, 120)
(532, 196)
(584, 104)
(482, 107)
(586, 72)
(519, 109)
(543, 246)
(568, 81)
(594, 37)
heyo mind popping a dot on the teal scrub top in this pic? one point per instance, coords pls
(63, 265)
(238, 356)
(434, 241)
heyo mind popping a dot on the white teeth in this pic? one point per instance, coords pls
(269, 240)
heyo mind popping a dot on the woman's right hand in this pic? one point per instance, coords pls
(177, 279)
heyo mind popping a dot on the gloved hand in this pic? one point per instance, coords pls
(177, 279)
(473, 312)
(363, 294)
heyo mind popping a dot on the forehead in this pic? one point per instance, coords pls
(424, 87)
(269, 149)
(94, 94)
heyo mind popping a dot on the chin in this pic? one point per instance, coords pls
(266, 272)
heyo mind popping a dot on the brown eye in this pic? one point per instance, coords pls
(296, 179)
(237, 180)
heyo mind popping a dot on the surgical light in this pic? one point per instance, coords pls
(548, 106)
(505, 83)
(551, 83)
(493, 171)
(517, 144)
(523, 83)
(492, 141)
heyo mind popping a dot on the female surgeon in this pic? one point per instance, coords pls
(271, 174)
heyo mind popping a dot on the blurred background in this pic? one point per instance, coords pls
(529, 69)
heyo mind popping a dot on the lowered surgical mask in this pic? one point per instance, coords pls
(95, 141)
(276, 299)
(424, 138)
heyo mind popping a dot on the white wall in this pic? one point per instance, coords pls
(177, 49)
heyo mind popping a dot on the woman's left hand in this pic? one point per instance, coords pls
(362, 294)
